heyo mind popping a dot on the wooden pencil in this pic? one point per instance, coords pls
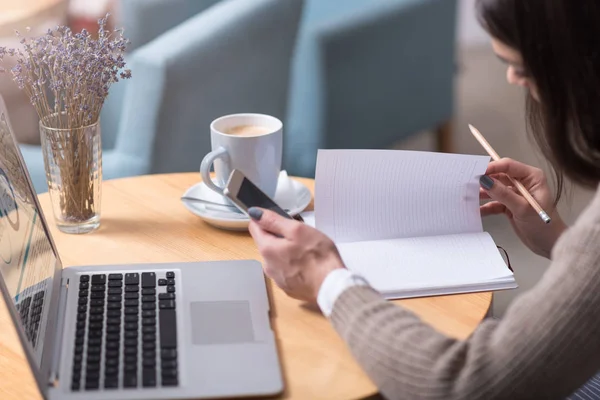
(490, 150)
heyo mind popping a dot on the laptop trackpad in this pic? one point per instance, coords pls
(221, 322)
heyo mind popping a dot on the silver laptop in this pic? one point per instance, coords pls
(144, 331)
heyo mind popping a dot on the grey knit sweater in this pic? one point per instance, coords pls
(545, 347)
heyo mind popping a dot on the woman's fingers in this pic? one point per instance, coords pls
(513, 169)
(492, 208)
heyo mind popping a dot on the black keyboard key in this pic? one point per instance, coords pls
(83, 293)
(97, 303)
(84, 285)
(113, 298)
(131, 342)
(149, 346)
(132, 278)
(81, 316)
(148, 321)
(98, 288)
(113, 321)
(111, 371)
(149, 363)
(130, 381)
(148, 299)
(131, 318)
(168, 364)
(131, 361)
(95, 334)
(166, 296)
(83, 301)
(149, 292)
(93, 358)
(132, 289)
(170, 275)
(131, 334)
(95, 326)
(131, 326)
(96, 318)
(113, 337)
(148, 280)
(113, 306)
(130, 351)
(168, 373)
(92, 367)
(132, 303)
(149, 354)
(148, 329)
(77, 358)
(115, 291)
(79, 341)
(132, 311)
(148, 313)
(112, 354)
(80, 324)
(81, 309)
(114, 313)
(148, 306)
(149, 377)
(96, 310)
(93, 350)
(171, 289)
(168, 354)
(166, 304)
(169, 382)
(92, 384)
(112, 362)
(95, 342)
(84, 278)
(115, 284)
(111, 382)
(97, 295)
(112, 346)
(80, 333)
(78, 352)
(162, 282)
(132, 296)
(170, 282)
(92, 372)
(113, 329)
(98, 279)
(115, 277)
(75, 386)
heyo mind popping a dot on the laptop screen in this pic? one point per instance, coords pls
(27, 258)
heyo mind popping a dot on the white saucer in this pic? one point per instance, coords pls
(291, 195)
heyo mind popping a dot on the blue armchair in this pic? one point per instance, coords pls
(369, 73)
(233, 57)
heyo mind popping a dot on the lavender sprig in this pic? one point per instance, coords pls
(69, 75)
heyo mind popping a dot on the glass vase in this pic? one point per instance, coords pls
(73, 163)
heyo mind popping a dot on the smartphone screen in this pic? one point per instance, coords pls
(252, 196)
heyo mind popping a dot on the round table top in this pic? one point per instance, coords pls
(143, 220)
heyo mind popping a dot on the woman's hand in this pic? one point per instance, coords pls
(296, 256)
(506, 199)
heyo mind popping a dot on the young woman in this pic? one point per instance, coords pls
(548, 343)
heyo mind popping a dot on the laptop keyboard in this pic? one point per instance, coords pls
(30, 311)
(126, 334)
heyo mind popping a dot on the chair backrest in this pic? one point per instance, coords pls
(368, 73)
(143, 21)
(234, 57)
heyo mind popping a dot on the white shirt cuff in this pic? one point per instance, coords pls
(335, 283)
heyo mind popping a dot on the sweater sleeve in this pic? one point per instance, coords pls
(546, 346)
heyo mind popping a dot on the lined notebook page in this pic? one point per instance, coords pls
(390, 194)
(393, 265)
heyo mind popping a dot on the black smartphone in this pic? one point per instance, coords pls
(245, 194)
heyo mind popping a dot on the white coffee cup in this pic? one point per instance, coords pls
(250, 143)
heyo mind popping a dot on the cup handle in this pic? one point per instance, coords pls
(207, 162)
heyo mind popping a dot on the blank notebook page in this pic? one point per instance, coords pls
(390, 194)
(396, 264)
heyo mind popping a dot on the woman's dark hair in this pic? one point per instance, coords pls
(559, 41)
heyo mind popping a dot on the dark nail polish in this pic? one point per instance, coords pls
(255, 213)
(486, 182)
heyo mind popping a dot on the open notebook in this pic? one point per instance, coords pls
(409, 221)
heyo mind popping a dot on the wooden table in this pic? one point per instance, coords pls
(144, 221)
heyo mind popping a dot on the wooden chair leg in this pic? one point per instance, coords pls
(443, 135)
